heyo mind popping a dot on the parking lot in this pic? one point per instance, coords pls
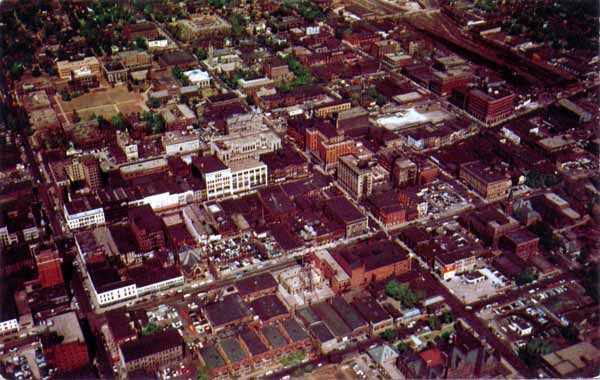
(493, 282)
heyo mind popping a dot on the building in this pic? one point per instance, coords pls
(344, 212)
(230, 312)
(115, 71)
(377, 317)
(70, 352)
(256, 286)
(83, 212)
(127, 145)
(48, 263)
(371, 261)
(278, 70)
(245, 144)
(9, 319)
(109, 288)
(248, 174)
(201, 26)
(442, 83)
(468, 358)
(180, 142)
(198, 78)
(332, 108)
(491, 184)
(490, 107)
(328, 145)
(152, 352)
(215, 175)
(490, 224)
(70, 69)
(147, 228)
(454, 263)
(521, 242)
(85, 169)
(579, 360)
(381, 48)
(146, 30)
(355, 176)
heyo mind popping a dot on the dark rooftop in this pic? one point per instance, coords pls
(231, 309)
(253, 342)
(343, 209)
(321, 332)
(151, 344)
(274, 337)
(370, 309)
(269, 307)
(233, 349)
(294, 330)
(256, 284)
(332, 319)
(212, 357)
(347, 312)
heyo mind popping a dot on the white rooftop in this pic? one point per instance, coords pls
(196, 75)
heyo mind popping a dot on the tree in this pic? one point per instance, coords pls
(238, 24)
(401, 292)
(569, 333)
(16, 70)
(526, 276)
(177, 73)
(76, 117)
(202, 373)
(36, 72)
(201, 54)
(434, 322)
(388, 334)
(153, 102)
(447, 317)
(402, 346)
(150, 328)
(119, 121)
(141, 43)
(532, 352)
(66, 97)
(445, 335)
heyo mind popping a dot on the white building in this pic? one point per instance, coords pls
(246, 144)
(216, 176)
(180, 142)
(122, 291)
(9, 325)
(78, 217)
(7, 238)
(247, 174)
(196, 224)
(198, 77)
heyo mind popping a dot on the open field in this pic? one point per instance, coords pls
(106, 102)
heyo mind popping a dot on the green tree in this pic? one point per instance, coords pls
(401, 292)
(434, 322)
(153, 102)
(141, 43)
(150, 328)
(202, 373)
(446, 335)
(66, 97)
(201, 54)
(447, 317)
(119, 121)
(531, 353)
(526, 276)
(16, 70)
(36, 72)
(389, 335)
(402, 346)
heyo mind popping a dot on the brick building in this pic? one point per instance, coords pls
(147, 228)
(151, 352)
(48, 264)
(373, 261)
(521, 242)
(491, 184)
